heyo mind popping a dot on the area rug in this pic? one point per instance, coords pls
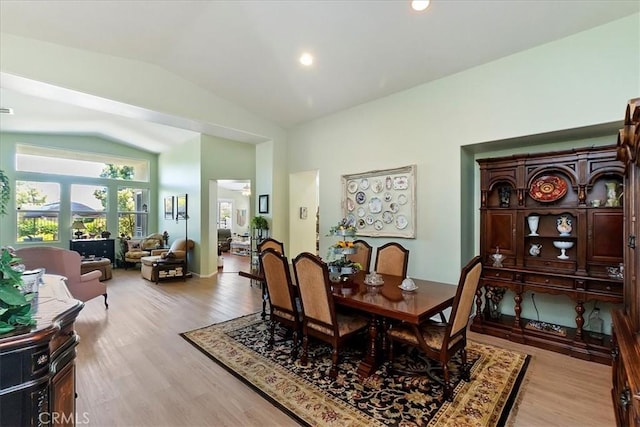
(309, 396)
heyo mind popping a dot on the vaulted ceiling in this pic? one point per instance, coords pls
(247, 51)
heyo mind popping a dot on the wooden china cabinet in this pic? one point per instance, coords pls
(626, 322)
(557, 220)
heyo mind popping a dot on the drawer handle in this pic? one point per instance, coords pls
(546, 280)
(547, 263)
(497, 274)
(608, 288)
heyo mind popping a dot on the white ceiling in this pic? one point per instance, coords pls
(247, 51)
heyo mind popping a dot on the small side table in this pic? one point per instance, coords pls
(168, 269)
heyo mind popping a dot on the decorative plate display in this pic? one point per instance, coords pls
(351, 220)
(402, 199)
(401, 222)
(387, 197)
(378, 225)
(387, 183)
(387, 217)
(360, 197)
(548, 188)
(400, 183)
(375, 205)
(361, 212)
(368, 219)
(377, 186)
(394, 207)
(361, 223)
(350, 204)
(352, 187)
(364, 183)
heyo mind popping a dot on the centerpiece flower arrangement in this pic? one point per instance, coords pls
(15, 308)
(337, 253)
(494, 295)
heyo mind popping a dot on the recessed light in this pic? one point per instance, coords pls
(306, 59)
(420, 5)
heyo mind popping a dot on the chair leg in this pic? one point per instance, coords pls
(305, 356)
(333, 372)
(106, 304)
(466, 369)
(294, 350)
(272, 330)
(447, 394)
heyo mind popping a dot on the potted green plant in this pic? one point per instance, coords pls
(259, 223)
(15, 308)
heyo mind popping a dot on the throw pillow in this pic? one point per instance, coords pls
(133, 245)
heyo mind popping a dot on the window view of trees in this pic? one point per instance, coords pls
(38, 207)
(225, 209)
(37, 214)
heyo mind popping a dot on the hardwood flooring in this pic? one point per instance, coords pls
(133, 369)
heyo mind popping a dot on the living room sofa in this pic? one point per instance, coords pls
(177, 251)
(134, 249)
(224, 239)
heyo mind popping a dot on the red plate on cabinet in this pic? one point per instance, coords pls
(548, 188)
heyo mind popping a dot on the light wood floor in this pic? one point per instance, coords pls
(133, 369)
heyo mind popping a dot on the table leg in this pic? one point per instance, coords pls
(370, 362)
(263, 285)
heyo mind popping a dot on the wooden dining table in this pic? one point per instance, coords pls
(383, 303)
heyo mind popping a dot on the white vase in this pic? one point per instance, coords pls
(533, 221)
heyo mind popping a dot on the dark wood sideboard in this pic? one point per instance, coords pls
(104, 248)
(37, 365)
(626, 322)
(548, 187)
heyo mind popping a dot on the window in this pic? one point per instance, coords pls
(38, 205)
(133, 206)
(92, 165)
(225, 209)
(89, 205)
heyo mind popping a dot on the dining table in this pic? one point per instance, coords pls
(384, 303)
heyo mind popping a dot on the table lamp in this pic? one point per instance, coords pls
(78, 225)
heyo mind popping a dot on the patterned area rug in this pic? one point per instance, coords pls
(308, 395)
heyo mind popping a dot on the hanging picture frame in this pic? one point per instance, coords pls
(181, 207)
(263, 203)
(381, 203)
(168, 207)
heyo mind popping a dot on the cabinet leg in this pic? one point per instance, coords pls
(579, 320)
(517, 309)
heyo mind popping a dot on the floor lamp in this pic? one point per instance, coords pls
(184, 214)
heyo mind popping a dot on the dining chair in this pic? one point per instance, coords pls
(281, 296)
(441, 341)
(362, 255)
(392, 259)
(319, 316)
(271, 243)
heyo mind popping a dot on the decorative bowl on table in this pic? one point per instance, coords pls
(373, 279)
(408, 285)
(563, 246)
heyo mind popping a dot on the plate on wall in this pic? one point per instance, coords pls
(352, 187)
(548, 188)
(360, 197)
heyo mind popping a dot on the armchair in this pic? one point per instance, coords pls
(134, 249)
(65, 263)
(177, 251)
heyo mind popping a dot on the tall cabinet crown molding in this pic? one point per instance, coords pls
(625, 391)
(555, 222)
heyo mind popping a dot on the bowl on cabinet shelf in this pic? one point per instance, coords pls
(563, 245)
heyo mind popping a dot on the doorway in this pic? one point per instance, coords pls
(232, 214)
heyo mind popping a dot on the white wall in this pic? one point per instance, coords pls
(303, 192)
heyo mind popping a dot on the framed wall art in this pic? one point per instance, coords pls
(168, 207)
(381, 203)
(263, 203)
(181, 209)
